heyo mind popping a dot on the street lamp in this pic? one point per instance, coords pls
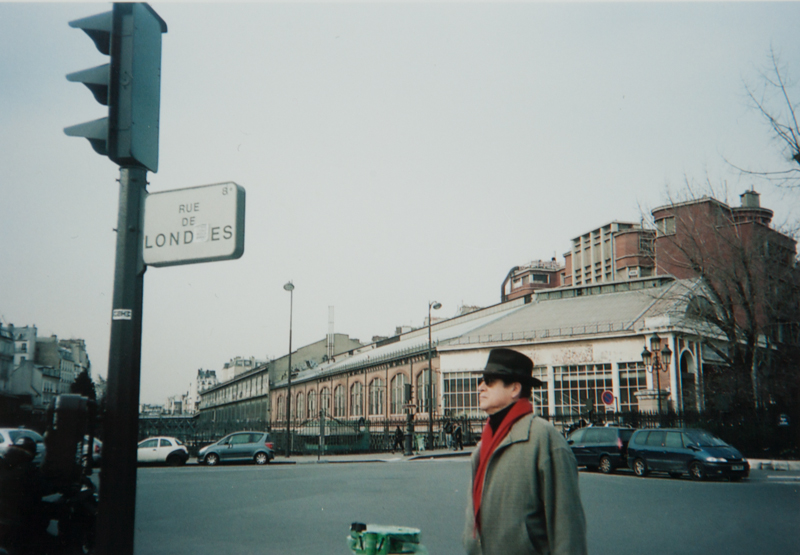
(435, 306)
(660, 363)
(290, 288)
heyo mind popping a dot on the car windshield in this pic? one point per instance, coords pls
(702, 438)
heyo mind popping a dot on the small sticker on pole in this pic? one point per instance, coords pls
(122, 314)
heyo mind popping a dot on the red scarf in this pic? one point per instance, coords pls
(489, 442)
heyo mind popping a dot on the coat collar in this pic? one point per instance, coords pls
(520, 431)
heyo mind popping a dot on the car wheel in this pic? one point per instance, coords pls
(605, 465)
(640, 468)
(174, 460)
(675, 474)
(696, 471)
(212, 459)
(261, 458)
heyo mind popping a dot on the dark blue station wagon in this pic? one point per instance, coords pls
(685, 450)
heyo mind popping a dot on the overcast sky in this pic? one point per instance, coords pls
(391, 155)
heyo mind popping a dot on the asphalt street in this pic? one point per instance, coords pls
(308, 508)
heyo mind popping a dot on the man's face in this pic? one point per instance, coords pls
(494, 395)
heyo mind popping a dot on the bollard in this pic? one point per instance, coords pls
(375, 539)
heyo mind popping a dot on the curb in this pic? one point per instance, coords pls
(344, 459)
(774, 465)
(441, 455)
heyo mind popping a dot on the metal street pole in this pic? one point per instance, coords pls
(117, 508)
(409, 435)
(661, 360)
(657, 369)
(290, 288)
(435, 306)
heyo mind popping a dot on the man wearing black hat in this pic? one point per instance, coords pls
(525, 496)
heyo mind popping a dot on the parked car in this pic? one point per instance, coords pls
(239, 446)
(155, 450)
(685, 450)
(9, 435)
(604, 447)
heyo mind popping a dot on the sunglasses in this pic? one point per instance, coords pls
(488, 380)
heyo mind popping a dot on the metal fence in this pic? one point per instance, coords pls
(768, 433)
(196, 431)
(758, 434)
(328, 435)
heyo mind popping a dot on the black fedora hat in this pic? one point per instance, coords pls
(511, 365)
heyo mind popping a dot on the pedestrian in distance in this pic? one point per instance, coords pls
(458, 438)
(525, 497)
(398, 440)
(448, 432)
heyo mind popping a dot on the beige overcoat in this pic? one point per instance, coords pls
(531, 503)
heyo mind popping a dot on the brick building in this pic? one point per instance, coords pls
(524, 280)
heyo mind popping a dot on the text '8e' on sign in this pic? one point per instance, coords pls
(197, 224)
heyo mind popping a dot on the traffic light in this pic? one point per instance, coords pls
(130, 84)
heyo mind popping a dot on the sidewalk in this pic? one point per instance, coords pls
(763, 464)
(371, 457)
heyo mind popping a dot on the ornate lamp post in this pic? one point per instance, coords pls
(660, 363)
(290, 288)
(435, 306)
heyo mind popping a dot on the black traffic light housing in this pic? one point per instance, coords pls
(130, 84)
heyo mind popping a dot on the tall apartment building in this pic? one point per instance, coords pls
(710, 225)
(6, 356)
(622, 251)
(20, 377)
(24, 343)
(50, 352)
(617, 251)
(39, 368)
(80, 357)
(205, 379)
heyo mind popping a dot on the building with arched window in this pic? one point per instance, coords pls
(377, 397)
(623, 287)
(584, 341)
(397, 389)
(300, 411)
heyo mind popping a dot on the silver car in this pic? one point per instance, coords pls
(239, 446)
(9, 435)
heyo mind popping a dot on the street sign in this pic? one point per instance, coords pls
(197, 224)
(607, 397)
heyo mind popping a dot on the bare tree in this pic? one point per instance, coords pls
(751, 287)
(771, 99)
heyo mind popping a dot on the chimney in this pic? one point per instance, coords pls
(750, 199)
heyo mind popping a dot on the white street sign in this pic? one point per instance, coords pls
(197, 224)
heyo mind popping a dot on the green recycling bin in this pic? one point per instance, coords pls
(376, 539)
